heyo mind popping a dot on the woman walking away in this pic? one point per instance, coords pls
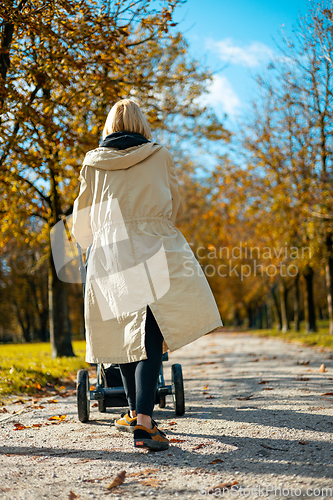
(144, 285)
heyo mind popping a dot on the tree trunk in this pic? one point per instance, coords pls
(237, 319)
(24, 322)
(284, 306)
(329, 280)
(309, 308)
(259, 318)
(276, 310)
(249, 311)
(269, 315)
(296, 305)
(60, 335)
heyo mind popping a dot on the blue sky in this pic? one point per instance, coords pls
(238, 32)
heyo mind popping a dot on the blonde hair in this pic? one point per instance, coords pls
(127, 116)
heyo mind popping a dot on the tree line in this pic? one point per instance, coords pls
(63, 64)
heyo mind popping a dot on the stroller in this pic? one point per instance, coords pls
(109, 391)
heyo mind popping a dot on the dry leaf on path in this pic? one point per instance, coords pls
(303, 442)
(224, 486)
(206, 387)
(216, 461)
(20, 427)
(304, 363)
(72, 495)
(327, 394)
(150, 482)
(322, 368)
(118, 480)
(302, 379)
(144, 472)
(59, 417)
(173, 440)
(198, 446)
(263, 382)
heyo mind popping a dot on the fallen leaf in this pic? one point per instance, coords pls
(20, 427)
(268, 388)
(3, 410)
(198, 446)
(304, 363)
(216, 461)
(254, 360)
(263, 382)
(224, 486)
(94, 405)
(327, 394)
(204, 392)
(322, 368)
(96, 480)
(150, 482)
(118, 480)
(206, 387)
(210, 397)
(37, 425)
(38, 386)
(144, 472)
(303, 442)
(172, 423)
(207, 363)
(39, 407)
(301, 379)
(59, 417)
(173, 440)
(49, 401)
(62, 388)
(72, 495)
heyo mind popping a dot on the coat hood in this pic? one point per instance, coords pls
(108, 158)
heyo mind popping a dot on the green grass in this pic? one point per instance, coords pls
(28, 368)
(322, 338)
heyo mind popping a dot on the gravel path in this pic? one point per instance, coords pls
(256, 414)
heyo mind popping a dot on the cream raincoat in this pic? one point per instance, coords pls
(126, 209)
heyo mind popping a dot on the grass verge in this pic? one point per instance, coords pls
(29, 368)
(321, 338)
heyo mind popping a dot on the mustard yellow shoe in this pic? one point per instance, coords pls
(154, 439)
(126, 422)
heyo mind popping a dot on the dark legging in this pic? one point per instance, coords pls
(141, 377)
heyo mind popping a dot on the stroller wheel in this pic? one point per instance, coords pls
(83, 395)
(178, 389)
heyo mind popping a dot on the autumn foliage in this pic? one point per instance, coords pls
(261, 224)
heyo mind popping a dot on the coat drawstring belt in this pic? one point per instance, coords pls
(138, 220)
